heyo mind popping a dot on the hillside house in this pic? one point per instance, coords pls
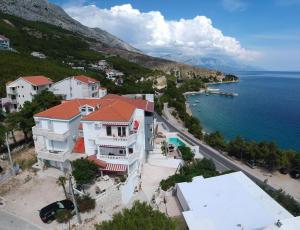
(4, 43)
(110, 131)
(23, 89)
(77, 87)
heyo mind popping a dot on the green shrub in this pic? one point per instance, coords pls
(140, 216)
(86, 203)
(186, 152)
(63, 215)
(84, 171)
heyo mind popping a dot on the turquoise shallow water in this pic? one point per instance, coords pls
(267, 108)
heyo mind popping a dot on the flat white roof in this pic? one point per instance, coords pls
(229, 202)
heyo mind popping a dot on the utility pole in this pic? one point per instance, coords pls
(74, 200)
(9, 154)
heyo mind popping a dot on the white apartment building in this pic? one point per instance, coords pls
(231, 201)
(23, 89)
(77, 87)
(4, 42)
(111, 131)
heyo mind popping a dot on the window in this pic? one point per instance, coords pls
(121, 131)
(122, 152)
(23, 95)
(108, 130)
(83, 109)
(130, 150)
(90, 109)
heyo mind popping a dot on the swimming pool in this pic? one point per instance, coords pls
(175, 141)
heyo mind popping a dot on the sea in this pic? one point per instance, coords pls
(267, 108)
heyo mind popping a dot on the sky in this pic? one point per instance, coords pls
(264, 33)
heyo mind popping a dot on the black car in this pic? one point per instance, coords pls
(1, 169)
(47, 213)
(294, 173)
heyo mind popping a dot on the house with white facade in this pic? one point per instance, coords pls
(23, 89)
(4, 43)
(111, 131)
(231, 201)
(115, 76)
(77, 87)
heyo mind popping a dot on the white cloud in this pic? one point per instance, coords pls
(152, 33)
(234, 5)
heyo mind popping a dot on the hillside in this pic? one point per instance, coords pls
(97, 39)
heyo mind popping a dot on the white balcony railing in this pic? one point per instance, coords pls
(120, 159)
(117, 141)
(50, 134)
(60, 156)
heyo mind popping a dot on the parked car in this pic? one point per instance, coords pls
(284, 170)
(251, 164)
(47, 214)
(1, 169)
(295, 173)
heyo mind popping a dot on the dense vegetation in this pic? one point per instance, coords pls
(23, 120)
(205, 168)
(84, 171)
(284, 199)
(175, 98)
(140, 216)
(61, 47)
(230, 77)
(186, 153)
(264, 154)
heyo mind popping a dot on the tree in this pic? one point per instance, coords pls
(63, 215)
(186, 152)
(140, 216)
(84, 171)
(61, 181)
(23, 120)
(2, 134)
(215, 140)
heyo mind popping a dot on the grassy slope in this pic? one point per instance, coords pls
(58, 45)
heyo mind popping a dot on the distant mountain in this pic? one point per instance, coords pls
(43, 11)
(224, 64)
(98, 40)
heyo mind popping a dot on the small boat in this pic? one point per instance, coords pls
(207, 94)
(194, 104)
(197, 101)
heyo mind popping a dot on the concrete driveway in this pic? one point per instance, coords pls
(9, 221)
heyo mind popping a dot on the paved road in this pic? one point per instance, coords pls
(12, 222)
(222, 163)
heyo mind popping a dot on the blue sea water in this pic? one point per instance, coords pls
(267, 108)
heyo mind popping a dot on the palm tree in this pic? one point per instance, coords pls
(62, 181)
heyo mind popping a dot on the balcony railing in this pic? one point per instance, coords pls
(50, 134)
(116, 141)
(60, 156)
(129, 159)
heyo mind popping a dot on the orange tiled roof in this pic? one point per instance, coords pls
(86, 79)
(38, 80)
(108, 108)
(116, 110)
(139, 103)
(67, 109)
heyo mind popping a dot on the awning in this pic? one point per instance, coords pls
(115, 167)
(79, 146)
(113, 146)
(115, 123)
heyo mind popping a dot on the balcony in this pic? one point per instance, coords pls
(50, 134)
(60, 156)
(11, 91)
(116, 141)
(115, 159)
